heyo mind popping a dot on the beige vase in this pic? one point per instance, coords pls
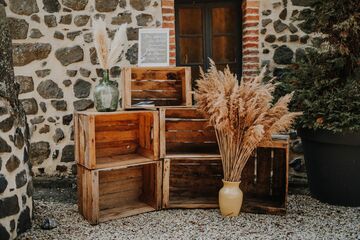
(230, 199)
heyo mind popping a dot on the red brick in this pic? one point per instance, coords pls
(167, 3)
(168, 18)
(248, 66)
(251, 45)
(250, 24)
(168, 10)
(251, 59)
(251, 4)
(250, 52)
(251, 18)
(251, 11)
(172, 54)
(250, 73)
(250, 39)
(251, 32)
(172, 62)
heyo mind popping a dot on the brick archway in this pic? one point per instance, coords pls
(250, 36)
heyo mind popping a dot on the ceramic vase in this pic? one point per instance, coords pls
(230, 199)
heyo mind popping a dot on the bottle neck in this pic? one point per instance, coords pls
(106, 76)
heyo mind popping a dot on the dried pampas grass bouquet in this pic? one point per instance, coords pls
(106, 93)
(242, 114)
(109, 52)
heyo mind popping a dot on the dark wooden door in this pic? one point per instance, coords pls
(208, 29)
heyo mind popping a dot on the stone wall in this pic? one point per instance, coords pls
(56, 66)
(283, 33)
(16, 187)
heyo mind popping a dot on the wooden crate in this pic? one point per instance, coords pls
(184, 132)
(195, 182)
(104, 140)
(111, 193)
(161, 86)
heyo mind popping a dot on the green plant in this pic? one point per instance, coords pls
(326, 80)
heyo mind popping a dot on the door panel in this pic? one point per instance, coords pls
(190, 21)
(191, 50)
(224, 49)
(224, 20)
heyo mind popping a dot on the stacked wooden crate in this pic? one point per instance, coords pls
(193, 171)
(119, 172)
(167, 156)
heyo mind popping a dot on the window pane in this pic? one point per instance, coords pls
(224, 20)
(224, 49)
(191, 50)
(190, 20)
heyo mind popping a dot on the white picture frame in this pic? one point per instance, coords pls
(154, 47)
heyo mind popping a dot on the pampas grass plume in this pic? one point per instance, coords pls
(242, 114)
(108, 52)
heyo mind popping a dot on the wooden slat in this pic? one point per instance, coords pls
(122, 161)
(186, 179)
(125, 211)
(166, 183)
(156, 85)
(154, 74)
(193, 155)
(88, 194)
(187, 125)
(191, 136)
(157, 102)
(120, 125)
(279, 173)
(90, 159)
(184, 113)
(191, 148)
(111, 177)
(114, 200)
(107, 149)
(145, 94)
(117, 136)
(126, 78)
(162, 139)
(118, 117)
(188, 87)
(149, 189)
(263, 171)
(248, 176)
(155, 142)
(121, 186)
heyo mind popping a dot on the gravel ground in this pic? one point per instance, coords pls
(306, 219)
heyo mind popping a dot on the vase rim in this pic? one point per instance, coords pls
(230, 182)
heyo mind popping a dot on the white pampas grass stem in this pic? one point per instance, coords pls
(101, 42)
(118, 45)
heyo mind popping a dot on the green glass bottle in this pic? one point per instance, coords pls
(106, 94)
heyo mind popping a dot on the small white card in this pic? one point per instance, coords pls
(153, 47)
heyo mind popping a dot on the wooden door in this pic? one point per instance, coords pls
(208, 29)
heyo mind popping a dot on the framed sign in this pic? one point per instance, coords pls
(153, 47)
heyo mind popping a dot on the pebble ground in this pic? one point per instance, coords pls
(306, 219)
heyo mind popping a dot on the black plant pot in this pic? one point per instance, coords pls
(333, 166)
